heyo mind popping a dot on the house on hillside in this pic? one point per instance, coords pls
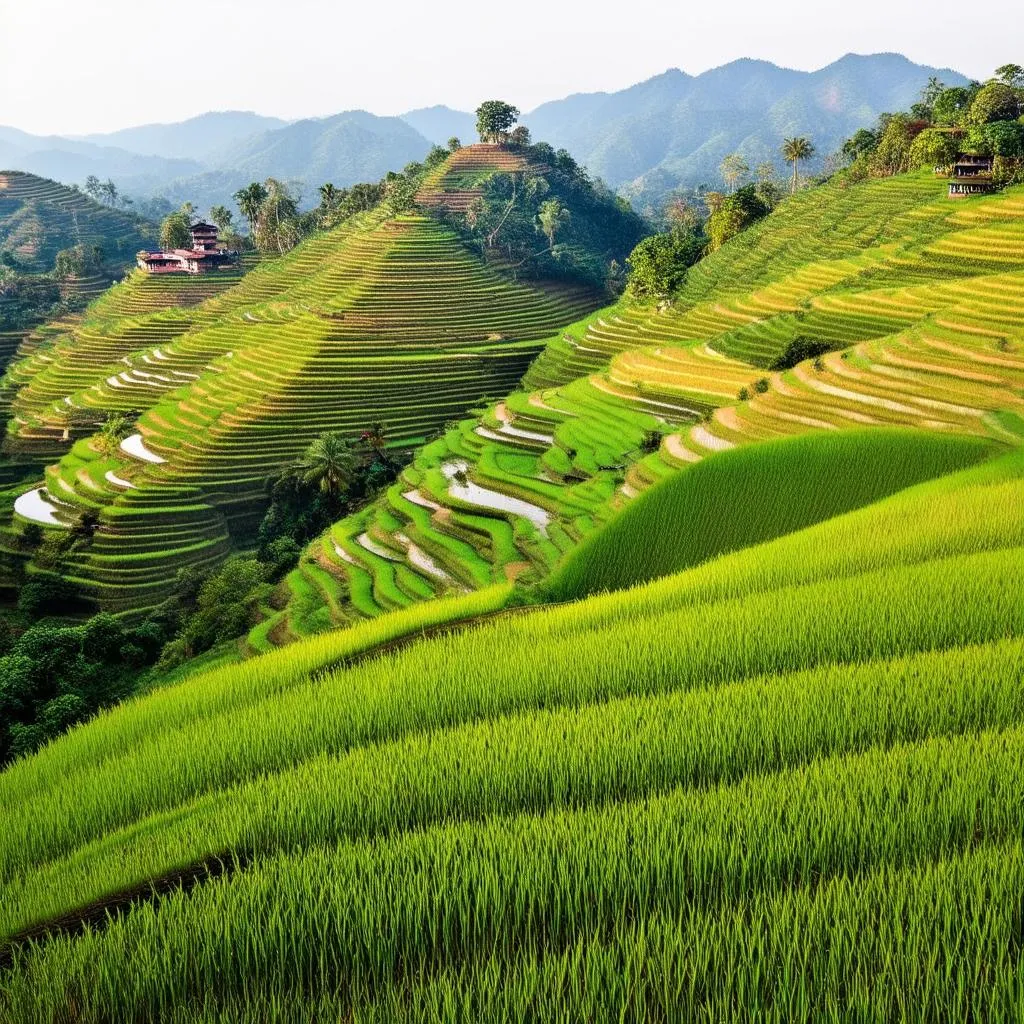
(205, 255)
(970, 175)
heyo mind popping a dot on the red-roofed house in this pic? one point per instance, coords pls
(204, 256)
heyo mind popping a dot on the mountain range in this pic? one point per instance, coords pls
(672, 130)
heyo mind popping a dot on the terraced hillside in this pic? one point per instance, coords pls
(385, 318)
(917, 299)
(39, 217)
(784, 785)
(454, 185)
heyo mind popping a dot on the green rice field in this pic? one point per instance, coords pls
(678, 684)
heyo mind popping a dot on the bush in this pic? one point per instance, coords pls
(47, 594)
(800, 349)
(658, 265)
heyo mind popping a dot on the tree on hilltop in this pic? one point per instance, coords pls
(495, 119)
(520, 136)
(793, 151)
(454, 143)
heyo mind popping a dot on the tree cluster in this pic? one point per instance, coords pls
(986, 119)
(333, 476)
(78, 261)
(551, 220)
(54, 675)
(106, 192)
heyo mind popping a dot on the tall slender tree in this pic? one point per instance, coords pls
(734, 170)
(249, 200)
(794, 150)
(552, 217)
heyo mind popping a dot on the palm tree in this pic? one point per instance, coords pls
(329, 462)
(793, 151)
(249, 200)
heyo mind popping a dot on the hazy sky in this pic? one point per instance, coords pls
(73, 66)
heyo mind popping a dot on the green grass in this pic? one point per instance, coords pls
(742, 497)
(821, 728)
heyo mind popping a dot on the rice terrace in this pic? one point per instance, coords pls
(559, 564)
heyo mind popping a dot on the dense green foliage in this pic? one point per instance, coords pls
(658, 264)
(983, 119)
(741, 497)
(550, 219)
(734, 213)
(52, 675)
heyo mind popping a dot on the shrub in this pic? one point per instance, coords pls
(798, 350)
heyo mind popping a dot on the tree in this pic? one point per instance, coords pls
(1011, 74)
(222, 217)
(78, 261)
(116, 427)
(520, 136)
(250, 199)
(93, 188)
(552, 217)
(681, 215)
(933, 148)
(454, 144)
(375, 437)
(995, 101)
(276, 220)
(1000, 138)
(85, 526)
(734, 169)
(735, 213)
(932, 91)
(175, 232)
(329, 463)
(659, 263)
(494, 120)
(950, 107)
(793, 151)
(892, 154)
(863, 142)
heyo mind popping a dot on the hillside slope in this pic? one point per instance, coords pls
(811, 749)
(39, 217)
(917, 296)
(386, 318)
